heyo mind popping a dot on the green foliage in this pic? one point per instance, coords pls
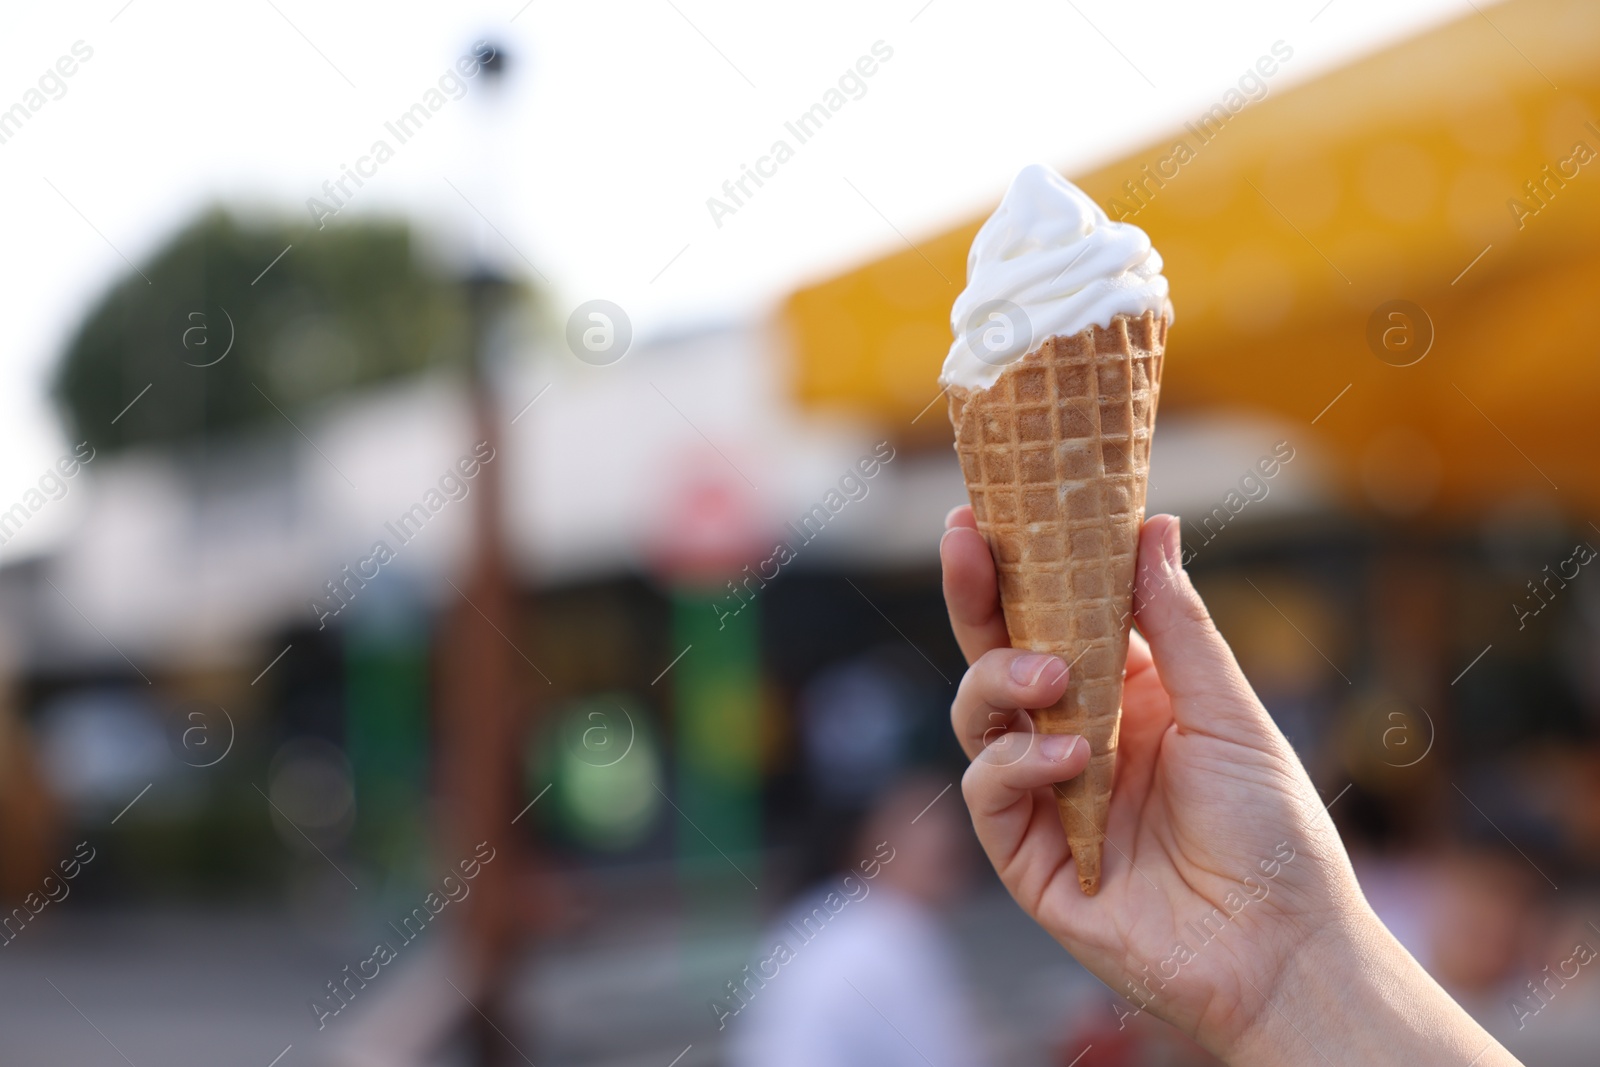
(346, 307)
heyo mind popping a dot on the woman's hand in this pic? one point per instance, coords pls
(1227, 905)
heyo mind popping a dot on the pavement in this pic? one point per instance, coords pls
(175, 988)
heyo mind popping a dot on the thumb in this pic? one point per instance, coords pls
(1195, 664)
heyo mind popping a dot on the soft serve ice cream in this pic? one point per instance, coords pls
(1053, 382)
(1047, 263)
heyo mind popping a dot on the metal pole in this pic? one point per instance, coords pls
(480, 730)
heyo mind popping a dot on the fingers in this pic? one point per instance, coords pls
(1195, 664)
(1146, 706)
(1139, 659)
(1013, 766)
(996, 688)
(971, 587)
(960, 515)
(1144, 698)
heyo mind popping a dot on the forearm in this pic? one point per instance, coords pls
(1354, 995)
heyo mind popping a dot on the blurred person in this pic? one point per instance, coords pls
(1551, 1013)
(1531, 979)
(1479, 928)
(1212, 818)
(859, 971)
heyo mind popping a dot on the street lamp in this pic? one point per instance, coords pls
(480, 728)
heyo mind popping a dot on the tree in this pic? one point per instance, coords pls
(220, 338)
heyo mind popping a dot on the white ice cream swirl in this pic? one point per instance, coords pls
(1048, 262)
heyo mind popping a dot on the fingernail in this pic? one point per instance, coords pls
(1026, 670)
(1057, 747)
(1172, 544)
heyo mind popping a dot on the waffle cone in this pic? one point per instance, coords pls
(1056, 456)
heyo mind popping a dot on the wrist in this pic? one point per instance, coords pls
(1320, 986)
(1352, 994)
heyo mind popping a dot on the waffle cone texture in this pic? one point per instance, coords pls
(1056, 456)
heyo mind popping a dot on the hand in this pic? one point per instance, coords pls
(1224, 881)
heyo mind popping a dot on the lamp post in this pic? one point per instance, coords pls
(480, 728)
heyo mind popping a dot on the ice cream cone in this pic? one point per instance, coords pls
(1056, 456)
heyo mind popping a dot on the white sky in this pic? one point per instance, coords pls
(619, 120)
